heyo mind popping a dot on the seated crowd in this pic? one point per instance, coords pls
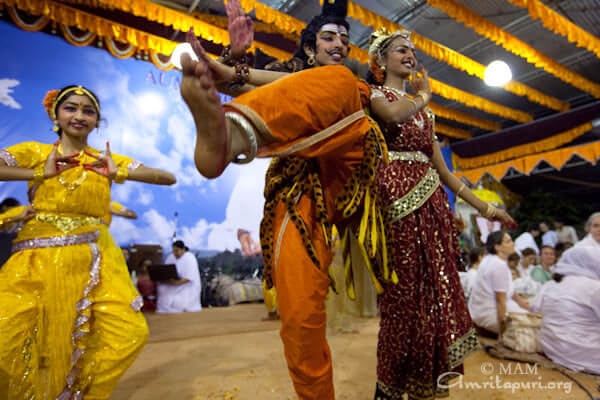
(564, 287)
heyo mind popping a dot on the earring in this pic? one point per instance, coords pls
(311, 60)
(383, 68)
(55, 128)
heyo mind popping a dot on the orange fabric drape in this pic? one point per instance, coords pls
(560, 25)
(528, 148)
(516, 46)
(452, 131)
(458, 116)
(556, 158)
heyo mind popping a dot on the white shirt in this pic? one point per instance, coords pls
(567, 235)
(180, 298)
(549, 239)
(467, 281)
(570, 334)
(493, 276)
(525, 240)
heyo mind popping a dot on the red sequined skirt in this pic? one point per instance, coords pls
(425, 327)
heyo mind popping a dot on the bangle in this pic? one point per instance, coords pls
(424, 96)
(414, 103)
(250, 133)
(490, 211)
(121, 175)
(38, 175)
(242, 76)
(462, 187)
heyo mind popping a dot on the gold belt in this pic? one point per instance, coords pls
(408, 156)
(67, 223)
(415, 198)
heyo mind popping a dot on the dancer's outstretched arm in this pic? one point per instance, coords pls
(223, 74)
(106, 166)
(55, 164)
(465, 193)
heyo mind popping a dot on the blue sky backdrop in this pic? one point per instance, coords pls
(144, 118)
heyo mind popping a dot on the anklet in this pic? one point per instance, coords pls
(250, 133)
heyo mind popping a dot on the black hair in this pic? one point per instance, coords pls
(332, 13)
(514, 257)
(475, 253)
(557, 277)
(546, 246)
(62, 100)
(493, 240)
(528, 252)
(10, 202)
(179, 244)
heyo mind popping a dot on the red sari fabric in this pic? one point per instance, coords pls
(425, 327)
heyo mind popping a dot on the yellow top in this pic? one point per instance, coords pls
(75, 201)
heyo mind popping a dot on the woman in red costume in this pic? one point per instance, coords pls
(425, 328)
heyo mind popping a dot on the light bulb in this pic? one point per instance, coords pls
(179, 50)
(497, 73)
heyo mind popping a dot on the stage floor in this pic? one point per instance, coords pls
(230, 353)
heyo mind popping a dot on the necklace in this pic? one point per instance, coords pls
(70, 186)
(397, 92)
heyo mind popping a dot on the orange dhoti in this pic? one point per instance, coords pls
(316, 128)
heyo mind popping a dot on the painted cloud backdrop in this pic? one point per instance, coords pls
(143, 117)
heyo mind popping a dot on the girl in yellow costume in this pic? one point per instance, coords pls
(69, 315)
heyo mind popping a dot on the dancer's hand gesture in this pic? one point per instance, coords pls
(240, 27)
(104, 164)
(56, 164)
(505, 218)
(221, 73)
(421, 83)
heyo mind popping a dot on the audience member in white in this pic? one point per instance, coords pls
(527, 240)
(467, 279)
(570, 304)
(565, 233)
(493, 295)
(182, 294)
(524, 284)
(549, 237)
(592, 227)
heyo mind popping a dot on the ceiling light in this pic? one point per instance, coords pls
(179, 50)
(497, 74)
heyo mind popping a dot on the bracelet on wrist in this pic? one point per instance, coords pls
(38, 175)
(121, 176)
(424, 95)
(242, 76)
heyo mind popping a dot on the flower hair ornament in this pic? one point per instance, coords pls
(53, 97)
(379, 41)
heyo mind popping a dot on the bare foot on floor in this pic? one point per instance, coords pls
(199, 92)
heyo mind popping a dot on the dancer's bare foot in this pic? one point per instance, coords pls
(198, 91)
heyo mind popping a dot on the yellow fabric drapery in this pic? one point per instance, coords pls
(528, 148)
(176, 20)
(474, 101)
(452, 131)
(560, 25)
(556, 158)
(453, 58)
(102, 27)
(458, 116)
(516, 46)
